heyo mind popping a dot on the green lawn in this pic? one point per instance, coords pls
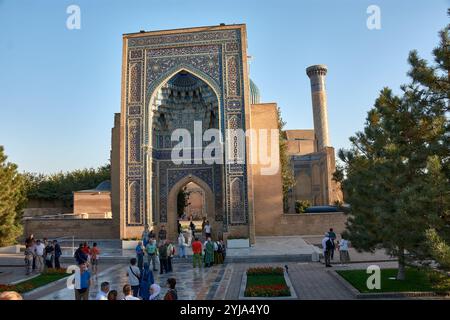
(415, 280)
(36, 282)
(257, 280)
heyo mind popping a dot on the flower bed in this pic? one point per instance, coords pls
(265, 271)
(266, 282)
(47, 277)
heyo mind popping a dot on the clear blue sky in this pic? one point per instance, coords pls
(60, 88)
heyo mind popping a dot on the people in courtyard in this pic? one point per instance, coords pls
(327, 245)
(203, 226)
(39, 252)
(171, 293)
(162, 234)
(31, 243)
(140, 255)
(82, 283)
(134, 276)
(209, 252)
(151, 235)
(48, 255)
(207, 230)
(344, 256)
(151, 250)
(224, 250)
(104, 291)
(128, 293)
(146, 281)
(218, 257)
(29, 255)
(145, 235)
(197, 253)
(155, 291)
(192, 227)
(332, 236)
(57, 254)
(163, 257)
(80, 256)
(112, 295)
(94, 253)
(181, 245)
(170, 255)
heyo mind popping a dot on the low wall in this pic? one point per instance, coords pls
(80, 228)
(311, 223)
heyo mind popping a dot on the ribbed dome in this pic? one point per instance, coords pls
(184, 80)
(254, 93)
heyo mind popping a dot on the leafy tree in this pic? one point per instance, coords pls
(287, 176)
(60, 186)
(12, 201)
(396, 174)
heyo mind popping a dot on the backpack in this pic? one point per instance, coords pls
(329, 244)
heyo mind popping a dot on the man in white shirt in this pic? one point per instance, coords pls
(103, 293)
(39, 251)
(207, 230)
(127, 292)
(133, 274)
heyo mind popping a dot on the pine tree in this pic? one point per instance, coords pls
(12, 201)
(397, 170)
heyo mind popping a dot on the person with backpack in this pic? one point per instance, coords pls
(151, 250)
(172, 292)
(332, 236)
(134, 276)
(327, 245)
(80, 256)
(218, 258)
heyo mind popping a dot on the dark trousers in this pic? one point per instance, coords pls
(135, 290)
(57, 263)
(169, 264)
(49, 263)
(163, 265)
(327, 257)
(140, 261)
(34, 262)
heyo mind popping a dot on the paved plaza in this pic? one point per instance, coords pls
(311, 280)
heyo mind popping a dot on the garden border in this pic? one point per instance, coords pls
(293, 295)
(385, 295)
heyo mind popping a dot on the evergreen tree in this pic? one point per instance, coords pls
(12, 201)
(287, 176)
(396, 174)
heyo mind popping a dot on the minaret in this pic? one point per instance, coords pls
(317, 74)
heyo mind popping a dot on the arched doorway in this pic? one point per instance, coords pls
(207, 206)
(186, 102)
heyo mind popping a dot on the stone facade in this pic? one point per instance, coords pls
(170, 80)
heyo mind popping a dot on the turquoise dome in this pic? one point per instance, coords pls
(254, 93)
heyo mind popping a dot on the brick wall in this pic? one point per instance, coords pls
(310, 224)
(80, 228)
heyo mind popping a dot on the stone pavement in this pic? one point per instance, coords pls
(192, 284)
(310, 280)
